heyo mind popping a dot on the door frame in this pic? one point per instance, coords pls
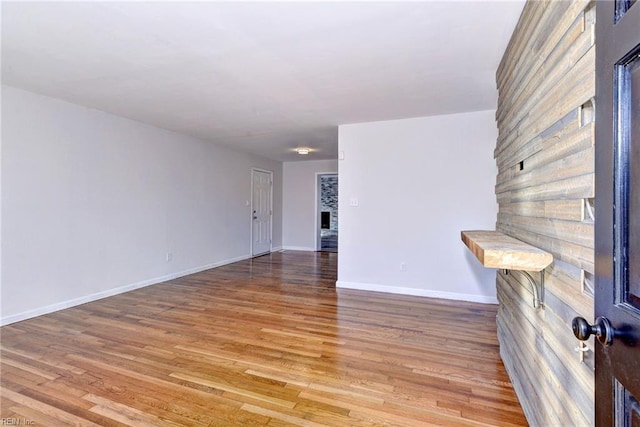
(318, 204)
(253, 171)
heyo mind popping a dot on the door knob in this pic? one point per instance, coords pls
(602, 329)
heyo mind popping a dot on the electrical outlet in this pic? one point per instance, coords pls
(169, 257)
(403, 266)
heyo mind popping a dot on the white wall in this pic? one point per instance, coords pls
(418, 183)
(92, 203)
(299, 212)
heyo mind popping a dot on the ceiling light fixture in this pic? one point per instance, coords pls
(303, 151)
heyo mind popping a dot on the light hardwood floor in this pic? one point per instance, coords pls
(267, 341)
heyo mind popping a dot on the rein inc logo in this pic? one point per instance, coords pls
(16, 422)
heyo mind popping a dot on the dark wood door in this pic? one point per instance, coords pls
(618, 212)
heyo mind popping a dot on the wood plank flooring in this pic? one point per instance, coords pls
(267, 341)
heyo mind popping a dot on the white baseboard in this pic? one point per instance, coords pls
(299, 248)
(484, 299)
(111, 292)
(276, 249)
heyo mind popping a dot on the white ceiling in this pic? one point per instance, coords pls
(263, 77)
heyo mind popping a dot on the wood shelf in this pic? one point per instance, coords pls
(497, 250)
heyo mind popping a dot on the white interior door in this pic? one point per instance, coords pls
(261, 212)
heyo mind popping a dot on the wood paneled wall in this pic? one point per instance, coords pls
(545, 190)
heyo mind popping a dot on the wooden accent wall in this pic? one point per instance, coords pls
(545, 189)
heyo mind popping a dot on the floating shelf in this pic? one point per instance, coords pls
(497, 250)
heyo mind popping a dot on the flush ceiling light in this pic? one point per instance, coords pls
(303, 151)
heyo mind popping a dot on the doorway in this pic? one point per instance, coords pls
(327, 212)
(261, 211)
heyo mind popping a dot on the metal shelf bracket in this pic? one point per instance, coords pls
(538, 293)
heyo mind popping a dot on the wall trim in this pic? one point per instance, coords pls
(299, 248)
(111, 292)
(483, 299)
